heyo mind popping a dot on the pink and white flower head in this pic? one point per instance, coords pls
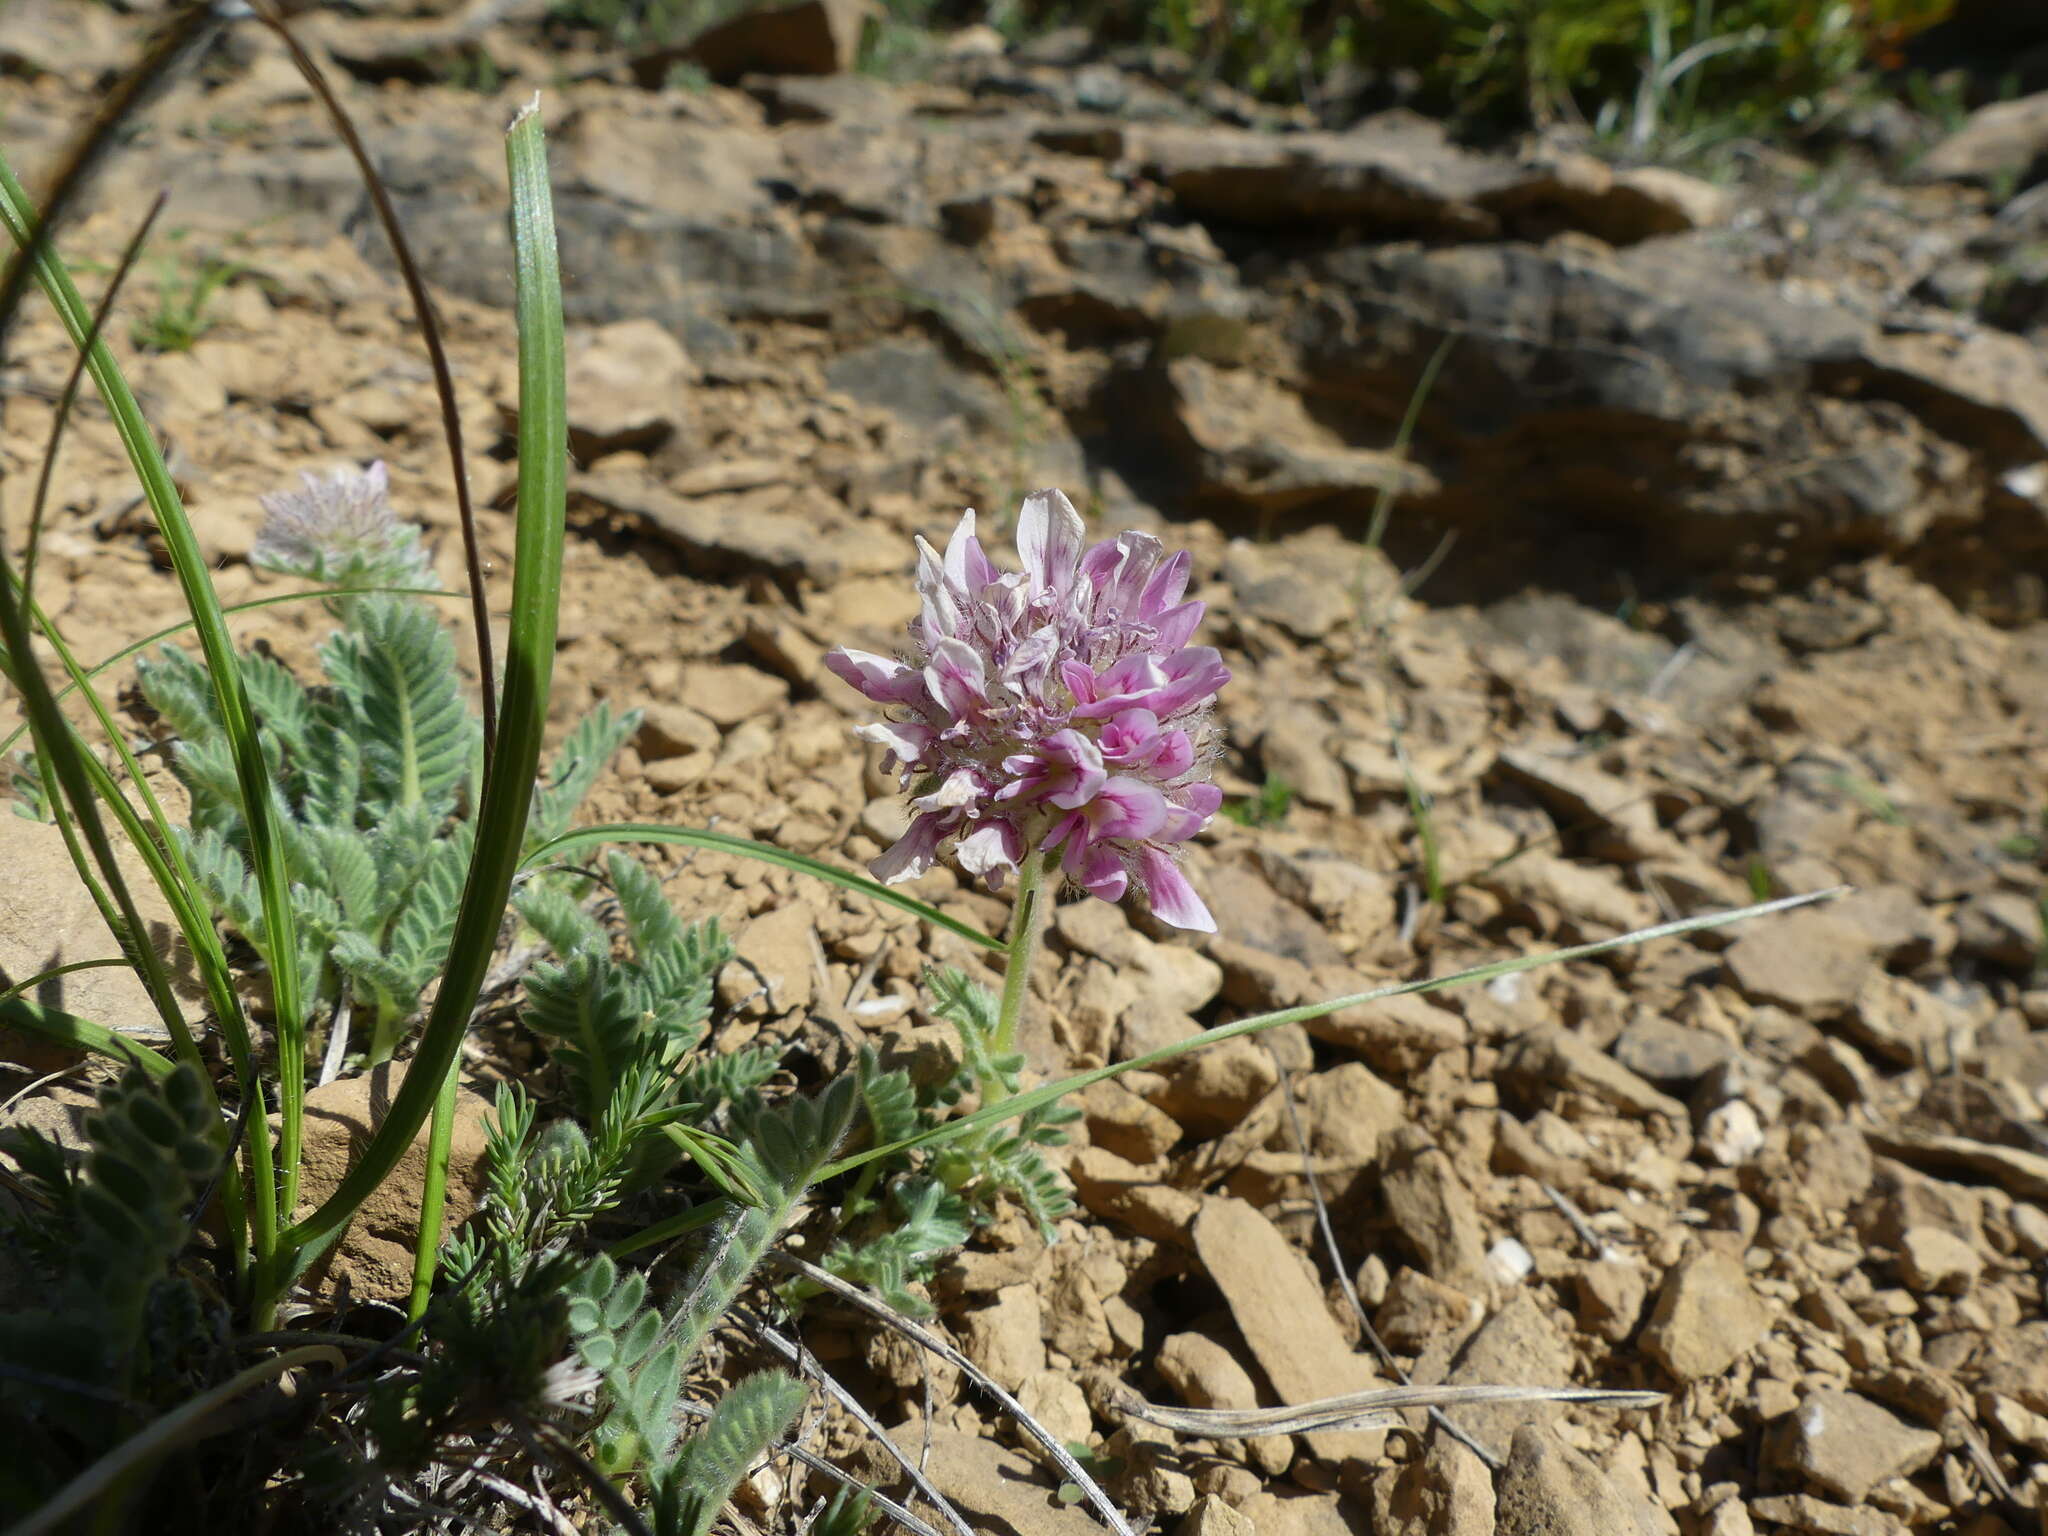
(342, 530)
(1059, 709)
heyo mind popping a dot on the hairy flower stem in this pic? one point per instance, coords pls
(1027, 926)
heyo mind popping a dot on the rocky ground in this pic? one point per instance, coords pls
(1748, 485)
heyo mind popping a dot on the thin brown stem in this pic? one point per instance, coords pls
(437, 355)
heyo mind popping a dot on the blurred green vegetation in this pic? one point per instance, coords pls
(1635, 71)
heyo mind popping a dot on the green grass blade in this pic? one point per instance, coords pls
(266, 852)
(426, 1245)
(195, 923)
(529, 670)
(1046, 1093)
(80, 1033)
(746, 848)
(173, 875)
(117, 963)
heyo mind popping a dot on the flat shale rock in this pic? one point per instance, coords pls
(1446, 1492)
(1549, 1489)
(1934, 1260)
(374, 1257)
(1845, 1445)
(1204, 1374)
(1211, 1516)
(1395, 1034)
(1518, 1346)
(1708, 1316)
(1419, 1310)
(1118, 1190)
(996, 1489)
(2000, 926)
(1433, 1209)
(47, 919)
(1285, 1320)
(1808, 961)
(1303, 1514)
(1669, 1054)
(1804, 1512)
(626, 387)
(1554, 1060)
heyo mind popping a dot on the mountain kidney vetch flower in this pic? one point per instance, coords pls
(1054, 710)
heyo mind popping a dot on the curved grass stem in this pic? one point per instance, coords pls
(434, 1192)
(508, 788)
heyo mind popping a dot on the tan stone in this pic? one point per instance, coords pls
(1708, 1316)
(374, 1257)
(1284, 1319)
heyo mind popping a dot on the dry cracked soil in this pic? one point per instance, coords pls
(1730, 504)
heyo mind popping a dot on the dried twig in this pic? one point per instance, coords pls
(1599, 1248)
(430, 336)
(807, 1364)
(1071, 1469)
(1380, 1408)
(1343, 1270)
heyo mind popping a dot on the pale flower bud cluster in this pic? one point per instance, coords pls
(343, 531)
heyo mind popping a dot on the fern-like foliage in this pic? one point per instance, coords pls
(602, 1013)
(925, 1221)
(641, 1355)
(908, 1211)
(25, 779)
(622, 1339)
(747, 1421)
(594, 742)
(373, 769)
(393, 686)
(117, 1322)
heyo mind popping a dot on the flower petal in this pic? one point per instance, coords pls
(1027, 668)
(913, 853)
(994, 847)
(1074, 827)
(1080, 680)
(1175, 627)
(1168, 893)
(881, 678)
(957, 680)
(966, 566)
(1132, 739)
(1126, 807)
(939, 618)
(1175, 757)
(1119, 570)
(1049, 535)
(1165, 588)
(906, 742)
(961, 787)
(1076, 774)
(1130, 684)
(1195, 674)
(1102, 874)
